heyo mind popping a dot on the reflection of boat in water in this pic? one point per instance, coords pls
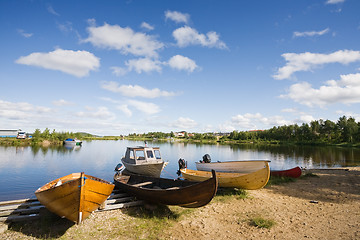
(144, 160)
(72, 142)
(74, 196)
(168, 191)
(72, 147)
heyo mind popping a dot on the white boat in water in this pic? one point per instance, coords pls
(245, 166)
(72, 142)
(144, 160)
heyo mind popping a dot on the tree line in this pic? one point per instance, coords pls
(345, 130)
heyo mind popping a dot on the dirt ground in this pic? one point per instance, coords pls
(325, 206)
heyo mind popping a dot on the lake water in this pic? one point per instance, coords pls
(24, 169)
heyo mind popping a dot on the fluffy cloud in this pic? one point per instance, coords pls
(62, 102)
(99, 113)
(186, 36)
(184, 123)
(21, 110)
(308, 61)
(147, 26)
(145, 107)
(77, 63)
(250, 121)
(345, 91)
(334, 1)
(177, 17)
(311, 33)
(135, 90)
(123, 39)
(24, 34)
(182, 63)
(143, 65)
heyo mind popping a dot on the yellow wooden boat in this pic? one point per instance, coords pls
(250, 181)
(74, 196)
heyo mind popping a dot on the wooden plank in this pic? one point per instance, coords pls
(31, 210)
(121, 205)
(21, 205)
(19, 218)
(142, 184)
(18, 201)
(119, 200)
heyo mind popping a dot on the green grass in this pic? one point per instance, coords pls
(225, 194)
(279, 180)
(307, 175)
(262, 223)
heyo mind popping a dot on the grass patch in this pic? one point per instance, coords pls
(262, 223)
(225, 194)
(279, 180)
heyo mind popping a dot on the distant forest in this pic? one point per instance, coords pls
(345, 130)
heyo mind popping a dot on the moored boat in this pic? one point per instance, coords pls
(144, 160)
(74, 196)
(168, 191)
(292, 173)
(245, 166)
(250, 181)
(72, 142)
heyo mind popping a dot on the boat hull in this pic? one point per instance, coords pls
(149, 169)
(233, 166)
(168, 191)
(76, 197)
(292, 173)
(250, 181)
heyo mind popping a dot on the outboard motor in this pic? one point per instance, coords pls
(206, 158)
(119, 167)
(182, 164)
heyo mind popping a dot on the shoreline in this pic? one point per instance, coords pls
(324, 206)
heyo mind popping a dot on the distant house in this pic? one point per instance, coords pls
(9, 133)
(180, 134)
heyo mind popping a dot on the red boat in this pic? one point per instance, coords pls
(293, 172)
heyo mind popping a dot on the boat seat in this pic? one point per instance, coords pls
(142, 184)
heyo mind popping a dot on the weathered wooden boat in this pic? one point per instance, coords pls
(250, 181)
(246, 166)
(144, 160)
(292, 173)
(72, 142)
(74, 196)
(168, 191)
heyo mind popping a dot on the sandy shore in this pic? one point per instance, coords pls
(323, 207)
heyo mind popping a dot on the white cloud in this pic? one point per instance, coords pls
(308, 61)
(21, 110)
(147, 26)
(52, 11)
(24, 34)
(334, 1)
(184, 123)
(311, 33)
(182, 63)
(62, 102)
(123, 39)
(186, 36)
(250, 121)
(143, 65)
(119, 71)
(135, 90)
(125, 109)
(145, 107)
(77, 63)
(345, 91)
(99, 113)
(177, 17)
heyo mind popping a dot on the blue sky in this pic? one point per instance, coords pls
(119, 67)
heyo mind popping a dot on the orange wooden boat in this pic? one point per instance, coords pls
(74, 196)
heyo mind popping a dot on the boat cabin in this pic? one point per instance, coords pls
(143, 155)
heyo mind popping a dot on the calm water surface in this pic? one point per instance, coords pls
(24, 169)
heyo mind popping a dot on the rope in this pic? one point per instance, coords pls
(84, 182)
(170, 174)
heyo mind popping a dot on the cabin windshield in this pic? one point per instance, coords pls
(157, 154)
(140, 155)
(130, 156)
(149, 154)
